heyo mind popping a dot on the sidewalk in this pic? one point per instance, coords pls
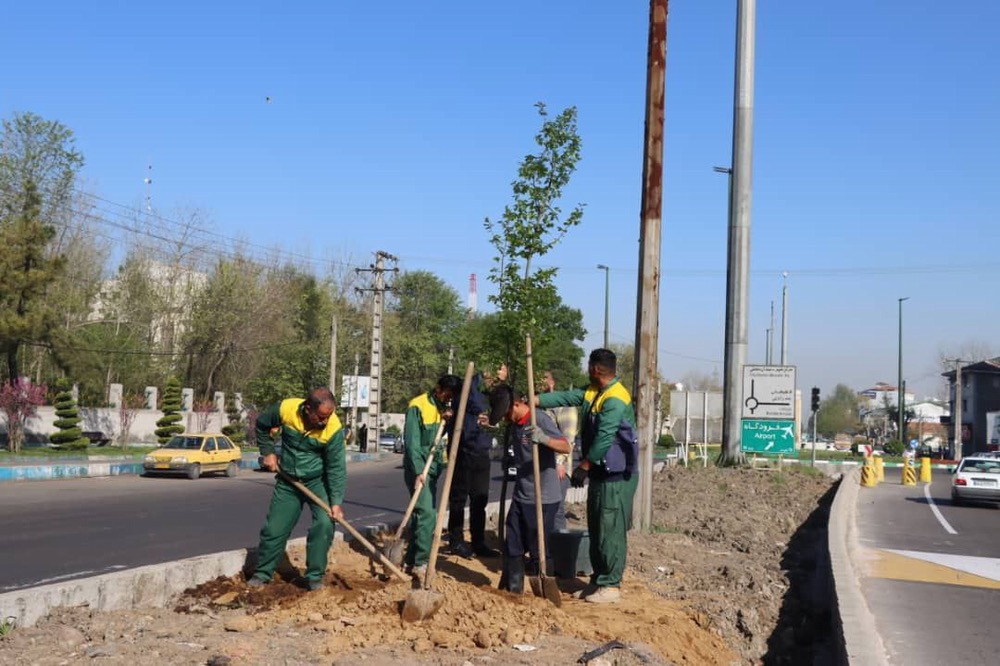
(31, 468)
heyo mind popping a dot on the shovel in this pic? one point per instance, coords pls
(422, 603)
(346, 525)
(393, 546)
(542, 585)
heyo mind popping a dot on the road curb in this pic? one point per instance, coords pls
(156, 585)
(854, 625)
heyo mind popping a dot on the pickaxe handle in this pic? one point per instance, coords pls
(346, 525)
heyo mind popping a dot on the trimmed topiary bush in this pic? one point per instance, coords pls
(894, 447)
(236, 429)
(69, 435)
(169, 424)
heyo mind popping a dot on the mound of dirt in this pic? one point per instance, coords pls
(724, 577)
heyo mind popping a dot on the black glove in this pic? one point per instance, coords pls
(578, 477)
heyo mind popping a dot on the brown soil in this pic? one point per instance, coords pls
(730, 574)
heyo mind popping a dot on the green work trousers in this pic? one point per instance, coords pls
(424, 517)
(609, 516)
(286, 507)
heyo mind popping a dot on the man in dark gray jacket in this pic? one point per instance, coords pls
(522, 524)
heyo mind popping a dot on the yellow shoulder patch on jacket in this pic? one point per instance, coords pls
(616, 390)
(291, 416)
(429, 414)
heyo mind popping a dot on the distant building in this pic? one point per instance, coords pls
(980, 396)
(874, 405)
(174, 287)
(883, 395)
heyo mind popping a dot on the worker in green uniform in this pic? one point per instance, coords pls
(609, 459)
(312, 452)
(424, 415)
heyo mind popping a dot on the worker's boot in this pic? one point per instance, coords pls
(515, 574)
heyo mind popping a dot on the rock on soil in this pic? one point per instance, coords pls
(730, 574)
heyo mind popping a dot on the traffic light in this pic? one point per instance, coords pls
(815, 399)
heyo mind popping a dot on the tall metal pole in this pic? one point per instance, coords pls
(354, 393)
(900, 391)
(784, 318)
(957, 412)
(648, 310)
(607, 293)
(738, 264)
(770, 337)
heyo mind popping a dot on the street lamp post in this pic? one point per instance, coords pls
(607, 285)
(784, 318)
(901, 395)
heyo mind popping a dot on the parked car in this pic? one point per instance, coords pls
(388, 440)
(193, 455)
(977, 479)
(96, 437)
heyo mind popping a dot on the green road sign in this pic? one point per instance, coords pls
(768, 437)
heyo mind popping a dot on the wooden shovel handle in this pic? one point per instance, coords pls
(346, 525)
(419, 485)
(536, 468)
(456, 435)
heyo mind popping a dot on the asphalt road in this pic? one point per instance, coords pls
(60, 530)
(932, 577)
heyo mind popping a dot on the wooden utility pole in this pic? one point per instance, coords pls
(648, 313)
(378, 290)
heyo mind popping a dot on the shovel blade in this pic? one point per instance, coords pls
(394, 549)
(421, 605)
(544, 586)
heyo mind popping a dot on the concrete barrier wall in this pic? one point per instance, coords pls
(151, 586)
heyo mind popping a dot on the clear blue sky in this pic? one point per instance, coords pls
(399, 126)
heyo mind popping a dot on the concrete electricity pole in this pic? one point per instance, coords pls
(607, 295)
(378, 290)
(648, 311)
(738, 264)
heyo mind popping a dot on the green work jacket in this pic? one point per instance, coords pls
(305, 454)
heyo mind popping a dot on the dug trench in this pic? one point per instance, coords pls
(733, 571)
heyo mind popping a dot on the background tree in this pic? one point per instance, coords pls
(69, 435)
(38, 168)
(424, 318)
(25, 274)
(19, 401)
(169, 424)
(299, 359)
(203, 414)
(839, 412)
(529, 227)
(236, 428)
(128, 409)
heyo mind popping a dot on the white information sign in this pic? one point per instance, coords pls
(769, 392)
(354, 391)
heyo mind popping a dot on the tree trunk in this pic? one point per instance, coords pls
(12, 369)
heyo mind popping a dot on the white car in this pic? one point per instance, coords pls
(976, 479)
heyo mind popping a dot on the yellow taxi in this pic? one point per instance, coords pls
(194, 455)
